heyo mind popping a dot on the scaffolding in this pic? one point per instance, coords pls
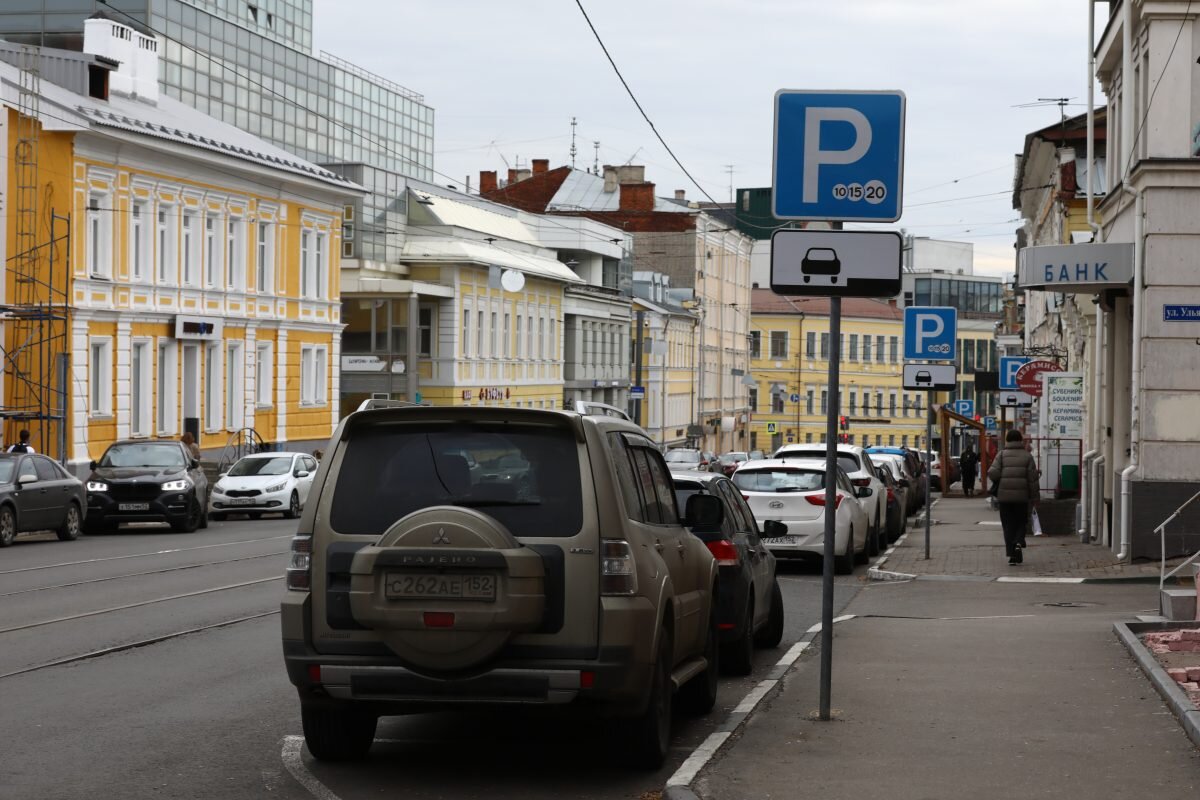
(36, 303)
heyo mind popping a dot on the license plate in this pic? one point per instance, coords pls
(783, 540)
(241, 501)
(417, 586)
(133, 506)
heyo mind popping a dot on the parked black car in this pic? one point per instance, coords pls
(896, 513)
(147, 480)
(36, 494)
(750, 604)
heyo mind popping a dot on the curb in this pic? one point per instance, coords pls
(1176, 699)
(883, 575)
(679, 793)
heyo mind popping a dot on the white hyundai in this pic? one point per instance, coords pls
(793, 491)
(264, 483)
(861, 470)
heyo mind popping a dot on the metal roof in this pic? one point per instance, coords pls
(448, 250)
(583, 191)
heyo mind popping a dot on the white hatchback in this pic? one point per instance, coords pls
(859, 468)
(793, 491)
(264, 483)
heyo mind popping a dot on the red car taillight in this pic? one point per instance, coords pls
(891, 494)
(725, 552)
(861, 481)
(819, 499)
(299, 569)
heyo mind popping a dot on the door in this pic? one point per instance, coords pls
(54, 489)
(304, 485)
(762, 563)
(31, 497)
(191, 384)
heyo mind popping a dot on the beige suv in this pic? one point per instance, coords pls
(453, 557)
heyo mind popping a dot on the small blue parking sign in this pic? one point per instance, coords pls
(989, 423)
(1008, 370)
(964, 408)
(838, 155)
(930, 333)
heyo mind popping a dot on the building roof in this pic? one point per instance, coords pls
(764, 301)
(450, 250)
(584, 191)
(443, 210)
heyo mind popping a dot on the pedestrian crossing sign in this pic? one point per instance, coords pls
(772, 427)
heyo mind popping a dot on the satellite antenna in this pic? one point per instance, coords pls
(512, 280)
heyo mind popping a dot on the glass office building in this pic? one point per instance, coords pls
(250, 63)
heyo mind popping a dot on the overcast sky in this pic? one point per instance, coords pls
(505, 78)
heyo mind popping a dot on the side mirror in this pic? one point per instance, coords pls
(300, 473)
(704, 514)
(864, 491)
(93, 465)
(773, 527)
(222, 475)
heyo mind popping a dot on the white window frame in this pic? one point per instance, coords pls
(313, 375)
(167, 387)
(520, 343)
(263, 378)
(99, 236)
(212, 250)
(507, 334)
(100, 377)
(190, 251)
(321, 266)
(494, 344)
(305, 261)
(235, 384)
(236, 253)
(140, 224)
(141, 388)
(264, 258)
(466, 328)
(541, 338)
(167, 246)
(479, 333)
(213, 405)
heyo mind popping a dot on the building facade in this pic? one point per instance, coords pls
(200, 273)
(668, 365)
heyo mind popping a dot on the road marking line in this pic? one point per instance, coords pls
(756, 694)
(141, 555)
(700, 756)
(1013, 579)
(791, 655)
(817, 628)
(294, 763)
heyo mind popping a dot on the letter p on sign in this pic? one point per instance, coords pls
(815, 156)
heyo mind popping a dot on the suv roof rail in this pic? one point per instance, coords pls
(591, 408)
(376, 402)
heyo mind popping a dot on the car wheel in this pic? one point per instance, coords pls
(8, 526)
(699, 695)
(191, 520)
(69, 531)
(647, 737)
(772, 633)
(337, 734)
(293, 509)
(216, 516)
(844, 564)
(737, 657)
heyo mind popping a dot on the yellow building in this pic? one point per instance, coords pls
(669, 377)
(189, 281)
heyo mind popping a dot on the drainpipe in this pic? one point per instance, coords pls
(1135, 383)
(1098, 501)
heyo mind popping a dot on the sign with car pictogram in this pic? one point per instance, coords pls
(931, 377)
(835, 263)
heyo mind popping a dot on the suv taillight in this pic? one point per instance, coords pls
(725, 552)
(861, 481)
(618, 575)
(299, 570)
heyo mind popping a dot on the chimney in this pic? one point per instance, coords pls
(681, 194)
(512, 176)
(628, 173)
(523, 174)
(487, 181)
(541, 165)
(610, 179)
(636, 197)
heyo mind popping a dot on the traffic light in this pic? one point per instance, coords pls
(844, 422)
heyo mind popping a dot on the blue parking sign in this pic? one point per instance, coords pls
(838, 155)
(964, 408)
(989, 423)
(1008, 370)
(930, 333)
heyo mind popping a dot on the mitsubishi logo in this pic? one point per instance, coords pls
(441, 537)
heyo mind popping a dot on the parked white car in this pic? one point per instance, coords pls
(861, 470)
(792, 491)
(264, 483)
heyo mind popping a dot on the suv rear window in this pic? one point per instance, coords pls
(527, 477)
(778, 480)
(847, 461)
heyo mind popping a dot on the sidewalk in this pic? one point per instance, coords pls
(971, 687)
(966, 541)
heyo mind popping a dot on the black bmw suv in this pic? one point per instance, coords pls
(147, 481)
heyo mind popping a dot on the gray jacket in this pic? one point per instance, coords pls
(1017, 473)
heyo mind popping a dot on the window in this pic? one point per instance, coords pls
(212, 256)
(139, 240)
(892, 404)
(168, 259)
(520, 342)
(507, 334)
(811, 344)
(312, 375)
(425, 330)
(808, 438)
(494, 347)
(100, 377)
(752, 398)
(236, 257)
(466, 330)
(167, 389)
(235, 386)
(825, 345)
(262, 375)
(553, 343)
(529, 336)
(320, 268)
(853, 402)
(264, 271)
(479, 335)
(777, 402)
(808, 406)
(779, 344)
(99, 239)
(904, 441)
(866, 348)
(305, 261)
(879, 404)
(140, 389)
(212, 386)
(756, 344)
(191, 249)
(853, 347)
(824, 401)
(541, 337)
(879, 349)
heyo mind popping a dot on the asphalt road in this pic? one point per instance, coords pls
(146, 664)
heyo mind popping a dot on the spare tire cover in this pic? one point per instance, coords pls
(447, 541)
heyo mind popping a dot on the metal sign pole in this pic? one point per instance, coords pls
(929, 467)
(831, 435)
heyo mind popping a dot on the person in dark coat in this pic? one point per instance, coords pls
(1017, 475)
(968, 463)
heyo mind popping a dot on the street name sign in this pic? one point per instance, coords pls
(838, 155)
(930, 333)
(835, 263)
(637, 392)
(931, 377)
(1177, 313)
(1008, 370)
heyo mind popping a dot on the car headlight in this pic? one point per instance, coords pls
(279, 487)
(97, 486)
(219, 489)
(176, 486)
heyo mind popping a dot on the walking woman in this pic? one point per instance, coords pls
(1017, 475)
(968, 463)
